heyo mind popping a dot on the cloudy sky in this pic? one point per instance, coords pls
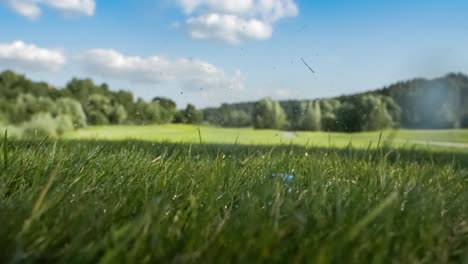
(212, 51)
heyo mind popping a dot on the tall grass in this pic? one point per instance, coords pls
(79, 202)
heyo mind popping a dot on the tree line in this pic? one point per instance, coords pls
(32, 108)
(37, 108)
(347, 114)
(440, 103)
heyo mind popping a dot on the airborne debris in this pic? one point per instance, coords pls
(284, 176)
(307, 65)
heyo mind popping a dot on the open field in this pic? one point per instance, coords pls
(134, 201)
(248, 136)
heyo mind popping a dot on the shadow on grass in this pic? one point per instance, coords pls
(386, 153)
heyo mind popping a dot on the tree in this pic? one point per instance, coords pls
(347, 118)
(118, 115)
(192, 115)
(329, 109)
(269, 115)
(394, 110)
(125, 99)
(153, 112)
(27, 105)
(365, 113)
(102, 110)
(98, 108)
(73, 109)
(294, 111)
(167, 107)
(81, 90)
(6, 111)
(142, 114)
(312, 118)
(179, 117)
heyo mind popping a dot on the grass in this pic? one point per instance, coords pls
(134, 201)
(249, 136)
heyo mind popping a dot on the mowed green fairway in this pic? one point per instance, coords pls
(249, 136)
(142, 202)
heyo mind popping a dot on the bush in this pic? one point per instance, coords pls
(44, 125)
(73, 109)
(14, 132)
(41, 125)
(118, 115)
(27, 105)
(3, 119)
(64, 124)
(98, 108)
(97, 118)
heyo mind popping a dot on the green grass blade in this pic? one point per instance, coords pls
(372, 215)
(5, 150)
(199, 135)
(380, 139)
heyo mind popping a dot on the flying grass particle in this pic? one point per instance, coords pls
(285, 176)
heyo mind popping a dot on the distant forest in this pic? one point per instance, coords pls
(29, 108)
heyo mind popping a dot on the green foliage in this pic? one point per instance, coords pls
(82, 90)
(123, 98)
(4, 119)
(40, 126)
(329, 109)
(64, 123)
(294, 111)
(97, 118)
(118, 115)
(27, 105)
(165, 103)
(192, 115)
(312, 118)
(348, 118)
(158, 111)
(189, 116)
(269, 115)
(419, 103)
(366, 113)
(436, 103)
(101, 110)
(45, 125)
(230, 115)
(167, 107)
(73, 109)
(12, 85)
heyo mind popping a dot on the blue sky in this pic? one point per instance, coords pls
(212, 51)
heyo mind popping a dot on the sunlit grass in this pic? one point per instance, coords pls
(249, 136)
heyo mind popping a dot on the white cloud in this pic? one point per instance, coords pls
(238, 6)
(21, 56)
(268, 10)
(32, 8)
(229, 28)
(191, 74)
(234, 21)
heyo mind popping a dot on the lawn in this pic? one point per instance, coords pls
(249, 136)
(143, 202)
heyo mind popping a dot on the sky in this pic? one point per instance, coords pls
(207, 52)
